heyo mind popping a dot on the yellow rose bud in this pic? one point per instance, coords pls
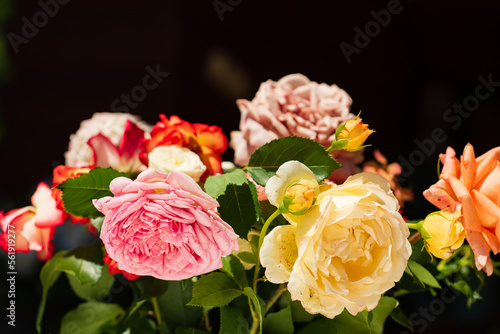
(299, 198)
(442, 233)
(350, 136)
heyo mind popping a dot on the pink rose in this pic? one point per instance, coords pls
(164, 225)
(294, 105)
(32, 227)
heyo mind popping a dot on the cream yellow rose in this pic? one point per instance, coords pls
(176, 158)
(345, 251)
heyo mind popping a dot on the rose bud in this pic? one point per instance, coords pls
(298, 198)
(351, 135)
(442, 233)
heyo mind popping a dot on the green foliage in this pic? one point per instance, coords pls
(421, 275)
(88, 317)
(147, 287)
(214, 290)
(238, 208)
(216, 185)
(92, 292)
(232, 321)
(398, 316)
(266, 160)
(78, 192)
(279, 322)
(174, 306)
(232, 266)
(48, 276)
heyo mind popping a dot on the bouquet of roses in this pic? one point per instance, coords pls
(294, 236)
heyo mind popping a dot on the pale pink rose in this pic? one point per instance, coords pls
(32, 228)
(472, 186)
(165, 226)
(294, 105)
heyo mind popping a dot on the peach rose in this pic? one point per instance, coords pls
(472, 186)
(294, 105)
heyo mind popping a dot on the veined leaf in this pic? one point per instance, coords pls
(266, 160)
(78, 193)
(214, 290)
(216, 185)
(237, 208)
(88, 317)
(423, 275)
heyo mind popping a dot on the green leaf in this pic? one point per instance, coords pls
(398, 316)
(232, 321)
(385, 306)
(186, 330)
(174, 308)
(232, 266)
(237, 208)
(97, 223)
(259, 305)
(48, 276)
(216, 185)
(136, 322)
(99, 291)
(352, 324)
(214, 290)
(84, 263)
(422, 274)
(149, 287)
(279, 322)
(78, 193)
(266, 160)
(299, 314)
(88, 317)
(321, 325)
(247, 257)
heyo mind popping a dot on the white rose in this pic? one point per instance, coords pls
(181, 159)
(345, 252)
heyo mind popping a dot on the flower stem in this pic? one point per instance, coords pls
(261, 239)
(415, 238)
(276, 296)
(156, 308)
(413, 226)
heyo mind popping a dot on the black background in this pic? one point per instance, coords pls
(426, 59)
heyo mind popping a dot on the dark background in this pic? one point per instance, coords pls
(426, 59)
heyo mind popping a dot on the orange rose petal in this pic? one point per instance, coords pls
(485, 166)
(450, 163)
(437, 195)
(490, 185)
(491, 240)
(481, 251)
(458, 188)
(489, 212)
(468, 166)
(470, 218)
(494, 152)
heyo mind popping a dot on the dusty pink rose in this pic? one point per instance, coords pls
(472, 186)
(164, 225)
(32, 228)
(294, 105)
